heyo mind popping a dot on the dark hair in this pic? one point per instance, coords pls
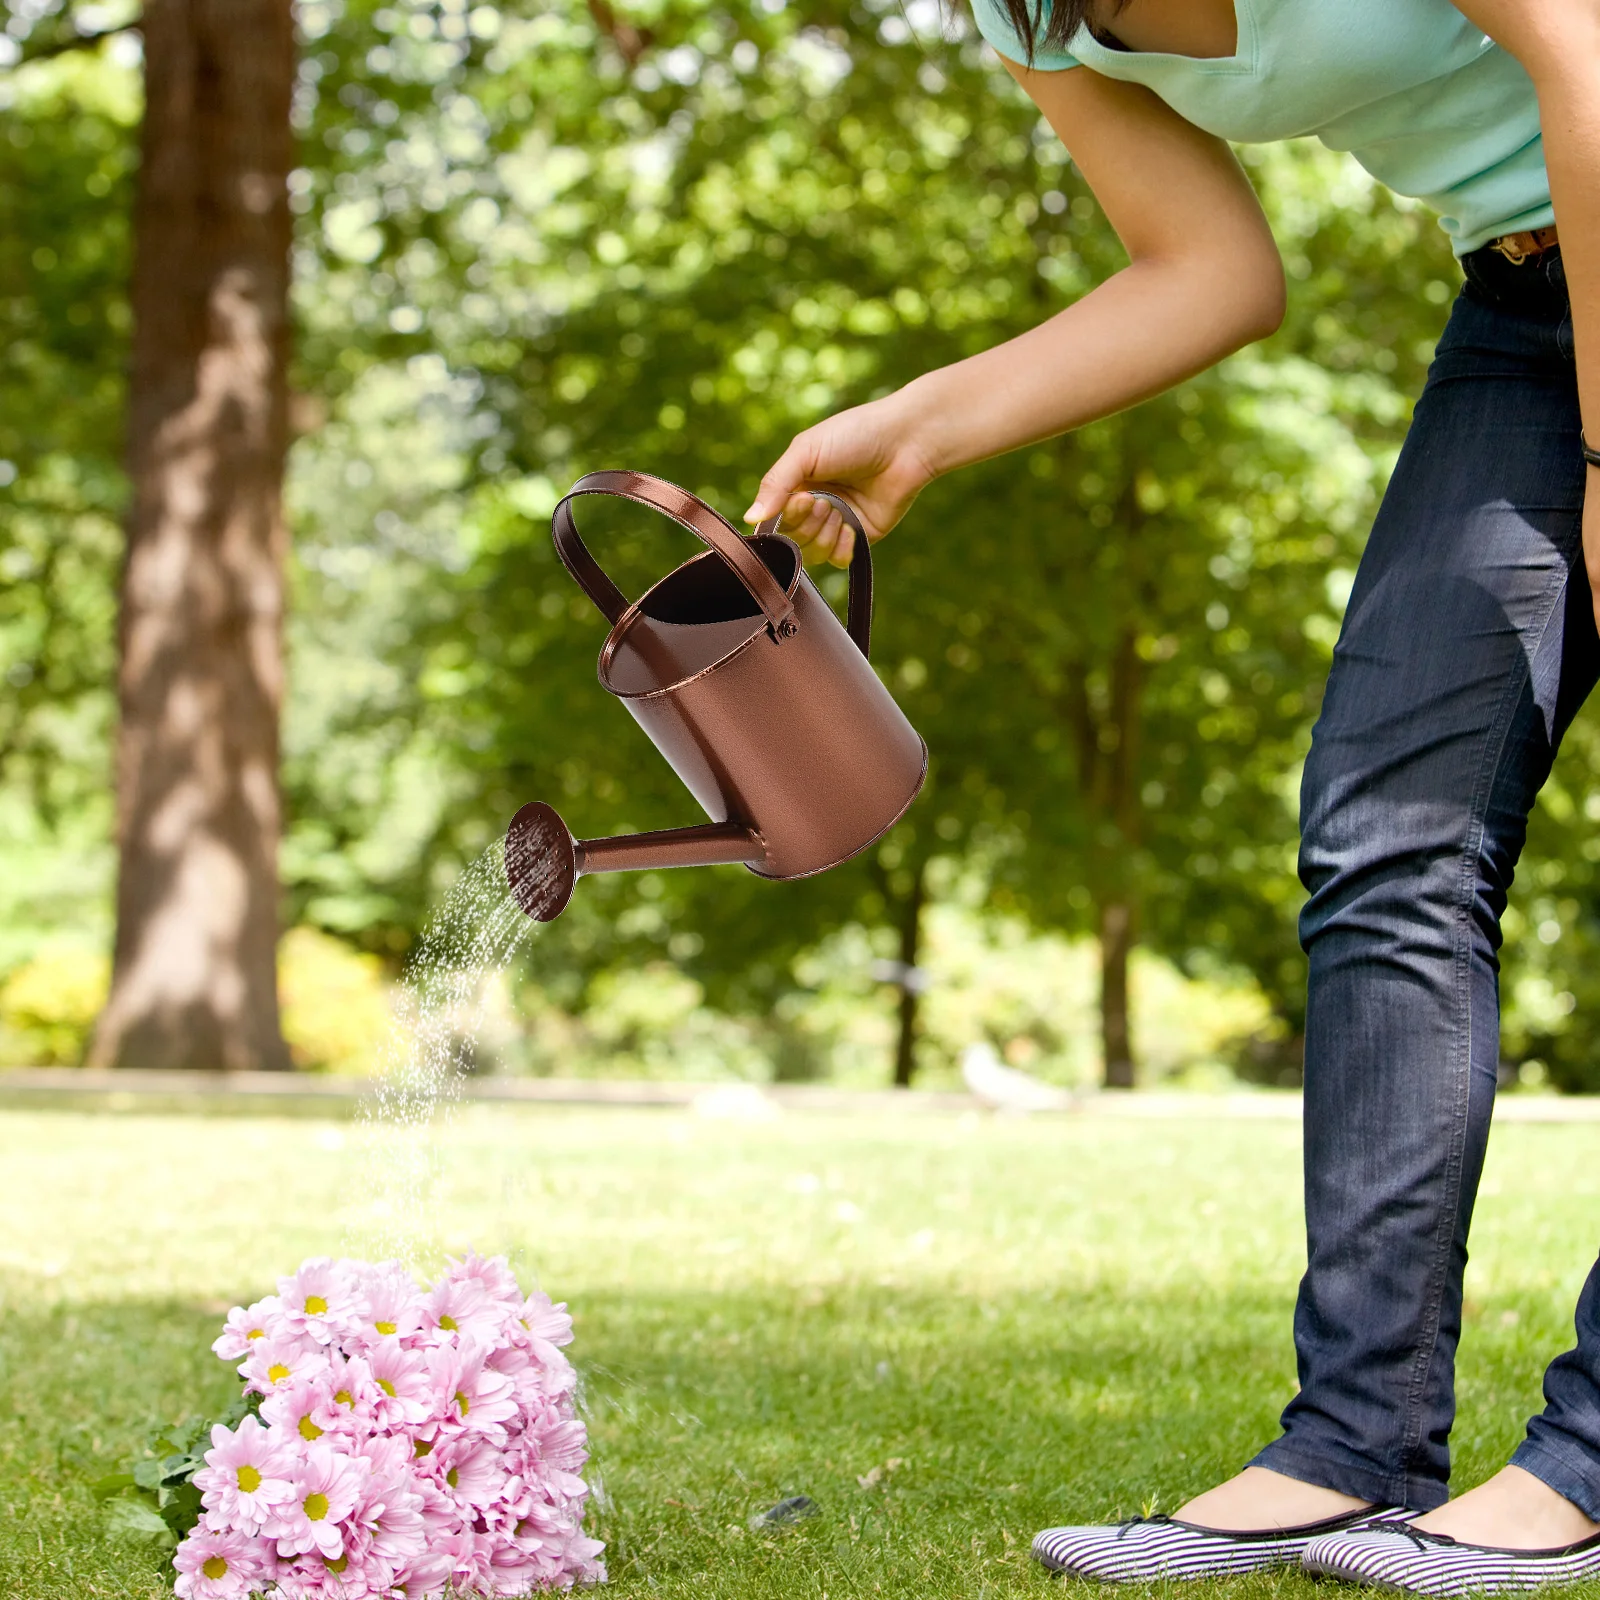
(1060, 18)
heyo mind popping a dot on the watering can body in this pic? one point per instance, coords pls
(764, 705)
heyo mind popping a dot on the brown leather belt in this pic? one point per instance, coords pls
(1520, 247)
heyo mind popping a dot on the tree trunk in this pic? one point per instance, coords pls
(194, 974)
(1116, 941)
(905, 1056)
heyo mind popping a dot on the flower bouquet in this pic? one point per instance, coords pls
(395, 1442)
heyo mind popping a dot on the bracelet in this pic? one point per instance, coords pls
(1590, 454)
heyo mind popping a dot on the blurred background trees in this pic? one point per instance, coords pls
(535, 238)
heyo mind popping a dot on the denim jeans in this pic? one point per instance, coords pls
(1468, 644)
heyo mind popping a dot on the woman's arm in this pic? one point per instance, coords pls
(1203, 278)
(1558, 41)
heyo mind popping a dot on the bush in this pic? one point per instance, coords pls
(49, 1004)
(336, 1011)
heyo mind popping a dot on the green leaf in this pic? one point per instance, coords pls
(147, 1474)
(111, 1485)
(180, 1508)
(138, 1521)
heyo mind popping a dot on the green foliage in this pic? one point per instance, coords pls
(522, 254)
(156, 1502)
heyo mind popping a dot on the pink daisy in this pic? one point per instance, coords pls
(245, 1326)
(463, 1310)
(404, 1389)
(470, 1470)
(272, 1363)
(347, 1396)
(546, 1321)
(245, 1482)
(468, 1395)
(219, 1566)
(327, 1486)
(494, 1274)
(291, 1408)
(391, 1306)
(321, 1301)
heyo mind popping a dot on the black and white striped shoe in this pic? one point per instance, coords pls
(1162, 1547)
(1409, 1559)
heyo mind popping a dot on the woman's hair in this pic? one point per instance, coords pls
(1060, 19)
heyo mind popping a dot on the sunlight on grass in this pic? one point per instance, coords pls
(1038, 1320)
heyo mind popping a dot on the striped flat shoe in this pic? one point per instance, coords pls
(1416, 1562)
(1162, 1547)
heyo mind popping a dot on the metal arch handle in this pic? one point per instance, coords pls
(688, 511)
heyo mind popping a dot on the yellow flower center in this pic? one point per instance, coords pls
(249, 1479)
(338, 1564)
(316, 1306)
(448, 1323)
(255, 1333)
(463, 1402)
(215, 1567)
(309, 1430)
(316, 1506)
(421, 1449)
(277, 1372)
(384, 1327)
(452, 1477)
(345, 1398)
(387, 1387)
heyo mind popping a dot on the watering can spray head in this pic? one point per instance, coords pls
(544, 861)
(745, 680)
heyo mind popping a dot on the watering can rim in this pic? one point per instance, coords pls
(758, 623)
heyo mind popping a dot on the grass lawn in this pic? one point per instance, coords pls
(1039, 1320)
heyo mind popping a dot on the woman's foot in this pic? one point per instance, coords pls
(1512, 1511)
(1512, 1533)
(1258, 1499)
(1254, 1522)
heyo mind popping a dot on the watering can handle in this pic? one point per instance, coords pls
(694, 514)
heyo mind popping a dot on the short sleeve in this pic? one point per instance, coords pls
(997, 27)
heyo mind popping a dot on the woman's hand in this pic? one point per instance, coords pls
(869, 454)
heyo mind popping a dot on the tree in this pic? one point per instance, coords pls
(200, 675)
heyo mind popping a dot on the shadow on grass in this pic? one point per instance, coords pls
(935, 1433)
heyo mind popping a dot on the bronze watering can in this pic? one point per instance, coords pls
(744, 679)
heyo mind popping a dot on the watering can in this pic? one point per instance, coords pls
(747, 683)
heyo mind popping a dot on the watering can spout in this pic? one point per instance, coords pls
(544, 861)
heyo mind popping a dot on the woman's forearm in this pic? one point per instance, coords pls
(1146, 328)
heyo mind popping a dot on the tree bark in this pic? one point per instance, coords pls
(201, 678)
(1116, 1038)
(905, 1056)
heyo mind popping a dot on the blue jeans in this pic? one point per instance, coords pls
(1468, 645)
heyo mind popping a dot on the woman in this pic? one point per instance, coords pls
(1468, 644)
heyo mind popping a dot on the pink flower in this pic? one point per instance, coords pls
(560, 1447)
(327, 1486)
(494, 1275)
(272, 1363)
(291, 1408)
(468, 1395)
(344, 1577)
(387, 1523)
(245, 1326)
(404, 1390)
(321, 1301)
(347, 1396)
(216, 1565)
(391, 1307)
(550, 1323)
(246, 1479)
(470, 1470)
(463, 1310)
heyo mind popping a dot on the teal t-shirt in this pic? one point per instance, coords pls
(1418, 95)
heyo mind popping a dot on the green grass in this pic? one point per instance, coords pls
(1041, 1320)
